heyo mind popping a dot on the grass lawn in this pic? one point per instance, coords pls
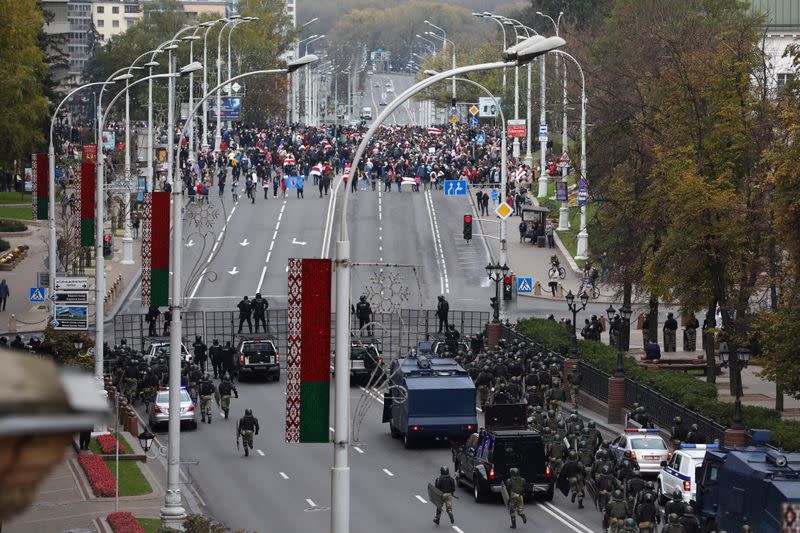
(150, 525)
(570, 236)
(18, 213)
(131, 480)
(95, 447)
(15, 198)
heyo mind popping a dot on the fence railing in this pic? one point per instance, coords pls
(660, 408)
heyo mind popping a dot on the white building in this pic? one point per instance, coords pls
(782, 29)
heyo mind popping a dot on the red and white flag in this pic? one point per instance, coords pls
(520, 173)
(409, 180)
(434, 131)
(347, 170)
(316, 170)
(289, 160)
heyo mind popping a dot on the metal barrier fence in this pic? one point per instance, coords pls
(395, 333)
(594, 381)
(662, 410)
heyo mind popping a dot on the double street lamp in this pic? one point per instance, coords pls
(623, 329)
(573, 307)
(496, 273)
(736, 361)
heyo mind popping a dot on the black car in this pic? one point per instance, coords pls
(483, 463)
(259, 357)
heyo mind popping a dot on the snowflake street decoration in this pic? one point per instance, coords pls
(203, 215)
(386, 291)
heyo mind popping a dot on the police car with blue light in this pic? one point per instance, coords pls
(645, 446)
(679, 471)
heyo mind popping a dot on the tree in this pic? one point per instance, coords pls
(23, 107)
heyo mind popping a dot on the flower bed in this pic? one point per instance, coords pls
(124, 522)
(100, 477)
(109, 444)
(13, 258)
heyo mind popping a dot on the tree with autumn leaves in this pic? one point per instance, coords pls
(690, 150)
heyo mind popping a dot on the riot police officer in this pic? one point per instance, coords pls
(245, 311)
(206, 389)
(225, 388)
(260, 306)
(484, 383)
(574, 472)
(646, 514)
(515, 485)
(689, 520)
(229, 362)
(200, 355)
(673, 524)
(606, 484)
(364, 315)
(442, 310)
(670, 327)
(615, 513)
(215, 354)
(675, 505)
(678, 431)
(447, 486)
(245, 428)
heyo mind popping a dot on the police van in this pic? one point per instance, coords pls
(679, 472)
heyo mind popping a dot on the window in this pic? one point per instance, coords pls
(131, 8)
(130, 23)
(101, 23)
(115, 24)
(101, 10)
(784, 78)
(115, 10)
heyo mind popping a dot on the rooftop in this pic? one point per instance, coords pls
(784, 14)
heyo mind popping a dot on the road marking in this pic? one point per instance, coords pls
(359, 450)
(268, 256)
(438, 240)
(420, 498)
(234, 271)
(284, 476)
(274, 234)
(271, 245)
(197, 285)
(261, 281)
(229, 217)
(311, 502)
(457, 529)
(549, 509)
(259, 452)
(433, 233)
(277, 225)
(244, 243)
(385, 471)
(280, 215)
(233, 210)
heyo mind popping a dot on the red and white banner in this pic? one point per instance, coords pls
(409, 181)
(289, 160)
(434, 131)
(521, 173)
(347, 170)
(316, 170)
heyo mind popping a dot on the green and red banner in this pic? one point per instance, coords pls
(40, 186)
(87, 195)
(309, 358)
(155, 249)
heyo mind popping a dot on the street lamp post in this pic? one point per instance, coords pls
(307, 85)
(573, 307)
(431, 43)
(624, 324)
(340, 473)
(218, 131)
(736, 362)
(51, 159)
(230, 60)
(496, 273)
(444, 44)
(488, 16)
(208, 25)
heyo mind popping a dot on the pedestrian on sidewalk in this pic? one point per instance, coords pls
(548, 230)
(136, 222)
(553, 283)
(4, 294)
(522, 229)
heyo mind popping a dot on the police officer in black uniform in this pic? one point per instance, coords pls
(246, 427)
(200, 350)
(442, 310)
(167, 322)
(260, 306)
(229, 360)
(364, 315)
(215, 352)
(689, 520)
(245, 310)
(152, 317)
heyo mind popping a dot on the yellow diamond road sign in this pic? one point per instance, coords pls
(454, 119)
(504, 210)
(474, 110)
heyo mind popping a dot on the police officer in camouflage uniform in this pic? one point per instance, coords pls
(574, 379)
(675, 505)
(245, 428)
(484, 383)
(206, 388)
(605, 484)
(629, 526)
(574, 471)
(615, 513)
(557, 450)
(673, 524)
(225, 389)
(515, 485)
(646, 514)
(447, 486)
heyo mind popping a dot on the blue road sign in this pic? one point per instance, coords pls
(524, 285)
(583, 183)
(583, 197)
(455, 187)
(38, 295)
(480, 138)
(473, 121)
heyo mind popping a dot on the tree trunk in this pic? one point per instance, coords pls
(653, 319)
(626, 302)
(708, 340)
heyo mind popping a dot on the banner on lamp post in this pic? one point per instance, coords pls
(87, 194)
(41, 186)
(155, 249)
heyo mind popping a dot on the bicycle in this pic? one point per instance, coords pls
(588, 283)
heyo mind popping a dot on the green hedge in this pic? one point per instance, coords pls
(12, 226)
(684, 389)
(4, 245)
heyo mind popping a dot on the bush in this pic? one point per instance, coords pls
(124, 522)
(4, 245)
(682, 388)
(12, 226)
(100, 477)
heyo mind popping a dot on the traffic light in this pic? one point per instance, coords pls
(507, 288)
(467, 227)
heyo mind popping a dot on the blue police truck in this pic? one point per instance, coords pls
(429, 398)
(757, 485)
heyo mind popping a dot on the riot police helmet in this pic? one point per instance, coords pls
(248, 412)
(677, 420)
(629, 524)
(617, 495)
(673, 518)
(444, 471)
(513, 472)
(572, 455)
(606, 469)
(676, 495)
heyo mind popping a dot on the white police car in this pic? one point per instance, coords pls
(678, 472)
(645, 445)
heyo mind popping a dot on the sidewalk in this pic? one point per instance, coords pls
(20, 315)
(65, 501)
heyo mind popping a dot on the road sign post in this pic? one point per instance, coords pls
(38, 295)
(455, 187)
(517, 128)
(524, 285)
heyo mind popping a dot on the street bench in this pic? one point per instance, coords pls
(681, 364)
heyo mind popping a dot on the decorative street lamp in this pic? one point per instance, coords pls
(496, 273)
(736, 362)
(573, 350)
(146, 440)
(624, 322)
